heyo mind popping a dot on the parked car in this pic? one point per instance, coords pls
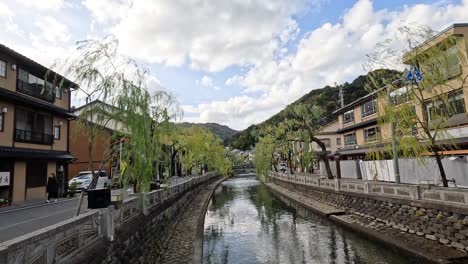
(83, 179)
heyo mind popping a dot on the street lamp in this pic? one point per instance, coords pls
(337, 157)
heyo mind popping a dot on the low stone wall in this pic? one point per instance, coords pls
(135, 232)
(405, 207)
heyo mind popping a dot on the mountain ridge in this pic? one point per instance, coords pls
(326, 97)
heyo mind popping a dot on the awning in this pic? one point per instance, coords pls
(27, 153)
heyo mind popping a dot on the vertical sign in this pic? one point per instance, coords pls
(4, 178)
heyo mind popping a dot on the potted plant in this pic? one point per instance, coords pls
(72, 189)
(3, 202)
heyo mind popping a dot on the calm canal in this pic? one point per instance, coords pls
(245, 223)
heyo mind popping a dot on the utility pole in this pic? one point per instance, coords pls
(340, 95)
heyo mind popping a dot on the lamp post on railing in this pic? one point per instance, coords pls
(337, 157)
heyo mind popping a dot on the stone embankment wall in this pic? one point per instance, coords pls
(438, 214)
(136, 231)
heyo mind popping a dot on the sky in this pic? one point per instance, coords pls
(233, 62)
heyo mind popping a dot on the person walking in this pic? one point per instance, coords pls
(52, 188)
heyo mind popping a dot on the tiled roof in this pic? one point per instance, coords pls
(28, 153)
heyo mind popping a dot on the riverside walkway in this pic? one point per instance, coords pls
(185, 244)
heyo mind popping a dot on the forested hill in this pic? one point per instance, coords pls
(326, 97)
(224, 132)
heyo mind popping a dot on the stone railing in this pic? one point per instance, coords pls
(442, 194)
(59, 243)
(53, 244)
(456, 196)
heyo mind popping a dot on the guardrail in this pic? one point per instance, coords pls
(60, 242)
(456, 196)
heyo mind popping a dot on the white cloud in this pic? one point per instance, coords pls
(331, 53)
(50, 30)
(43, 4)
(206, 82)
(209, 35)
(105, 11)
(6, 20)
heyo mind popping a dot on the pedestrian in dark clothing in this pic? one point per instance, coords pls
(52, 188)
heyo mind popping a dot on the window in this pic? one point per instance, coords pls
(350, 139)
(35, 86)
(446, 65)
(3, 68)
(338, 141)
(371, 134)
(58, 92)
(400, 95)
(36, 173)
(57, 132)
(369, 108)
(455, 104)
(33, 127)
(326, 141)
(348, 116)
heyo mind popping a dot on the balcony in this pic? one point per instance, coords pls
(33, 137)
(36, 90)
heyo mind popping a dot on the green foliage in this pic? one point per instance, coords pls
(198, 146)
(418, 131)
(223, 132)
(264, 151)
(141, 118)
(325, 98)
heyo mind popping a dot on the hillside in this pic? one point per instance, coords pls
(224, 132)
(326, 97)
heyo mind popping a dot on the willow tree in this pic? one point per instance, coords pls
(305, 121)
(427, 101)
(264, 155)
(199, 148)
(141, 115)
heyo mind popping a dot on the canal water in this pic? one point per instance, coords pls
(245, 223)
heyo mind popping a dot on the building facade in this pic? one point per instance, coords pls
(34, 127)
(101, 128)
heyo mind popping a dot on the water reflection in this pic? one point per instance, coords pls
(246, 223)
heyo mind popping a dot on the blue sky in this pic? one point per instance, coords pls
(231, 62)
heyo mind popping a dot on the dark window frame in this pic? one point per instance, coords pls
(46, 93)
(6, 69)
(351, 115)
(364, 113)
(373, 138)
(59, 132)
(436, 105)
(354, 136)
(338, 141)
(2, 123)
(33, 135)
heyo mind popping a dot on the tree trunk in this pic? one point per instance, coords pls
(441, 169)
(323, 156)
(290, 163)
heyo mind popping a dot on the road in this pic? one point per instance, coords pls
(23, 220)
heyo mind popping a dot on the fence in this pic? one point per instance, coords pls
(411, 170)
(455, 196)
(60, 242)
